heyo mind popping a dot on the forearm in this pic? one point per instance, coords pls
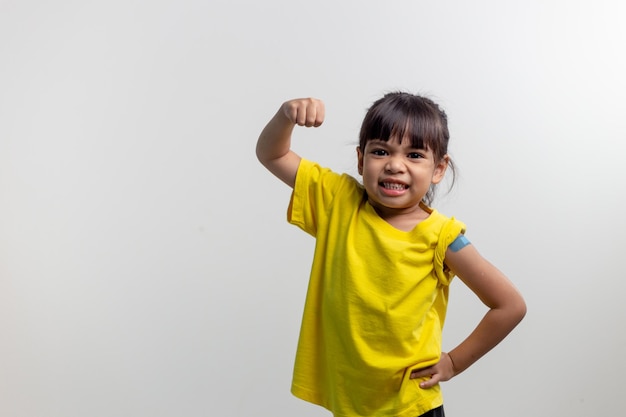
(491, 330)
(275, 139)
(274, 149)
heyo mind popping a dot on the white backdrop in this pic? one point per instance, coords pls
(146, 266)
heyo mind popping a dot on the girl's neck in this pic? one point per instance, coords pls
(404, 219)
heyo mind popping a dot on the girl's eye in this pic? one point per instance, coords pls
(379, 152)
(415, 155)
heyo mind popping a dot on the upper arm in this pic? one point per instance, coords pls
(490, 285)
(284, 167)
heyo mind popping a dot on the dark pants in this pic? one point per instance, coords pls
(435, 412)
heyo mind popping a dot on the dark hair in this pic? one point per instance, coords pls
(398, 115)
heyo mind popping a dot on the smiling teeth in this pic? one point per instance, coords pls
(393, 186)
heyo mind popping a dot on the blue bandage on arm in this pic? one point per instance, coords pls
(459, 243)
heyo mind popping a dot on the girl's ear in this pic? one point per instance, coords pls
(440, 169)
(359, 156)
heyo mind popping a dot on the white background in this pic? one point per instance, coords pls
(146, 266)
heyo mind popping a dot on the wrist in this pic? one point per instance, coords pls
(454, 368)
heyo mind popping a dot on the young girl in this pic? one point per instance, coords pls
(370, 341)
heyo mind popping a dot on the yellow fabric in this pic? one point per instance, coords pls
(376, 301)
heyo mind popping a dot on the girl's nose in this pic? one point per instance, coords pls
(394, 165)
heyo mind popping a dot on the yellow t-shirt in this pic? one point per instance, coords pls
(376, 301)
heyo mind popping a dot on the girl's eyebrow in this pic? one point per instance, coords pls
(408, 147)
(386, 144)
(377, 142)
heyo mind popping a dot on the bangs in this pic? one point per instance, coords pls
(406, 116)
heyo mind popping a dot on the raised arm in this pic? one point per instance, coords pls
(506, 309)
(274, 145)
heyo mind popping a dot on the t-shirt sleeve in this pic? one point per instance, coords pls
(451, 229)
(313, 192)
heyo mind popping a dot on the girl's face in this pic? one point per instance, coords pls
(397, 176)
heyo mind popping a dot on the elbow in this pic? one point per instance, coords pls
(519, 309)
(263, 158)
(267, 156)
(512, 310)
(260, 155)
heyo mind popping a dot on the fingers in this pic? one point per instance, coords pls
(440, 372)
(429, 372)
(432, 375)
(429, 383)
(307, 112)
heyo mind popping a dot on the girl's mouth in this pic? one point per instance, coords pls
(394, 186)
